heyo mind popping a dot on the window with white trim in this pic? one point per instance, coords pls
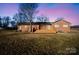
(20, 27)
(65, 25)
(56, 25)
(49, 27)
(25, 26)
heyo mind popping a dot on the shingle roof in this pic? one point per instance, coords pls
(61, 20)
(38, 23)
(35, 23)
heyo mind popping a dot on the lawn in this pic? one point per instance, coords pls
(17, 43)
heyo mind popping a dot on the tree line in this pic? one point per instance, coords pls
(6, 22)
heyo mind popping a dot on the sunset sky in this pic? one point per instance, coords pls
(69, 11)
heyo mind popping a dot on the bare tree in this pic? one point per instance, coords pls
(28, 9)
(5, 21)
(61, 18)
(16, 17)
(42, 19)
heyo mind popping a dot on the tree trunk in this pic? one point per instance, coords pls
(30, 26)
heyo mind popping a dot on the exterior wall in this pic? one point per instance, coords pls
(23, 28)
(42, 27)
(26, 28)
(62, 26)
(45, 27)
(35, 27)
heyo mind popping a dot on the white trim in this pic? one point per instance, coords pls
(25, 26)
(19, 27)
(48, 27)
(56, 25)
(65, 25)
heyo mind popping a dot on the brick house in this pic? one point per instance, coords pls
(45, 27)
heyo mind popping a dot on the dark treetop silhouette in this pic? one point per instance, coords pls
(28, 9)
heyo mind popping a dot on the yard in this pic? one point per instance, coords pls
(17, 43)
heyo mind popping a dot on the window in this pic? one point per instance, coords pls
(65, 25)
(20, 27)
(56, 25)
(25, 26)
(49, 27)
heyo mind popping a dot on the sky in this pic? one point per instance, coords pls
(69, 11)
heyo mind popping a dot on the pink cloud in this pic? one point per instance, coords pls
(53, 13)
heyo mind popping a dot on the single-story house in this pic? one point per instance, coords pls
(45, 27)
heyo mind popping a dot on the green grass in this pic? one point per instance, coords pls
(17, 43)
